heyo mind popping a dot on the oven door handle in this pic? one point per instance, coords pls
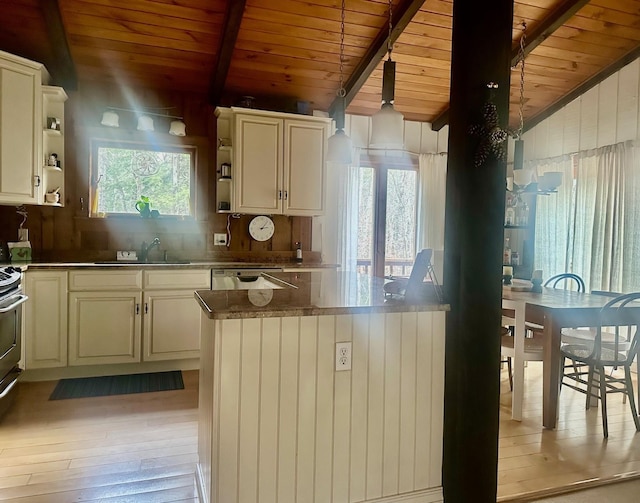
(9, 388)
(21, 300)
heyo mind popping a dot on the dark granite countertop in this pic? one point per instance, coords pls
(302, 293)
(178, 264)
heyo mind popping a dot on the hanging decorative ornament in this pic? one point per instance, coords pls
(491, 137)
(518, 149)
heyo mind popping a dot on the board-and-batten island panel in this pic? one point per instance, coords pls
(279, 424)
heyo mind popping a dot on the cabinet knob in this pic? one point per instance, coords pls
(146, 308)
(280, 195)
(137, 308)
(37, 180)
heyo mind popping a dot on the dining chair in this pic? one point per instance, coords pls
(618, 354)
(566, 276)
(553, 282)
(586, 334)
(504, 332)
(533, 347)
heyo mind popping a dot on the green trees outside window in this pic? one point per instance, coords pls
(124, 174)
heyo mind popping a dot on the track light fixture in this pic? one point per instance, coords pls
(110, 118)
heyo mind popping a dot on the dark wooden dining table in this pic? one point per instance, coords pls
(556, 309)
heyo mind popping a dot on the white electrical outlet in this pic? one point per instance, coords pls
(126, 255)
(219, 239)
(343, 356)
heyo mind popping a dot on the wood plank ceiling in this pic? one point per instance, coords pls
(288, 50)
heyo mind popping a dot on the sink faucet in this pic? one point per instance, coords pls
(145, 249)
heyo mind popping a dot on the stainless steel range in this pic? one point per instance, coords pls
(11, 300)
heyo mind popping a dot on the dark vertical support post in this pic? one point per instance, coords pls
(481, 53)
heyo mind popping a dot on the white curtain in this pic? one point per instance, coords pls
(553, 219)
(432, 182)
(347, 224)
(592, 225)
(607, 182)
(630, 280)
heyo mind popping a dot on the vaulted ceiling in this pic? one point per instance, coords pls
(290, 48)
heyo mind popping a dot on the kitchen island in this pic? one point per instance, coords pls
(279, 423)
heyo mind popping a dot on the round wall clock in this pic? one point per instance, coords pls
(261, 228)
(260, 298)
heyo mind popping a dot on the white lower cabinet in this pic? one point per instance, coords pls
(131, 316)
(171, 314)
(104, 327)
(45, 319)
(171, 325)
(95, 317)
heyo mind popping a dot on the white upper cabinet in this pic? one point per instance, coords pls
(258, 164)
(304, 167)
(20, 130)
(277, 162)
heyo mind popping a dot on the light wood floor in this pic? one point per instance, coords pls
(126, 448)
(534, 460)
(142, 448)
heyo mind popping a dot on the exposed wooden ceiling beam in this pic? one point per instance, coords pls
(64, 71)
(233, 18)
(583, 88)
(542, 31)
(402, 16)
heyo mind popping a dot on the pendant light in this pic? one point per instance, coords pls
(387, 123)
(177, 127)
(339, 144)
(547, 182)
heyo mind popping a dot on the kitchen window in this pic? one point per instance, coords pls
(387, 201)
(123, 173)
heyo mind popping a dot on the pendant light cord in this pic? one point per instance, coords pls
(389, 44)
(521, 58)
(342, 92)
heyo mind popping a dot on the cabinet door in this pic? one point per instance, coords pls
(171, 325)
(104, 327)
(304, 167)
(258, 164)
(20, 133)
(45, 326)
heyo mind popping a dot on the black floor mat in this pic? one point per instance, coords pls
(117, 385)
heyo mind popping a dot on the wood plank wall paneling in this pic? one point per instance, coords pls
(288, 427)
(607, 114)
(419, 138)
(67, 234)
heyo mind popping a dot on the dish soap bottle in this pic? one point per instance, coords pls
(298, 252)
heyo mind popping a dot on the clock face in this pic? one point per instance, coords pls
(260, 297)
(261, 228)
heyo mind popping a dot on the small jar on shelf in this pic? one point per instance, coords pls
(506, 256)
(522, 214)
(509, 216)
